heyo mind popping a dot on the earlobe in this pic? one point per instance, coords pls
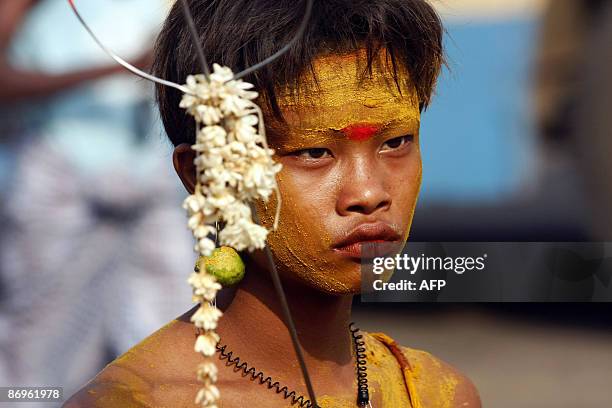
(182, 158)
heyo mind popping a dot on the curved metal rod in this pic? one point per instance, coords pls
(201, 55)
(273, 271)
(198, 46)
(297, 36)
(280, 292)
(193, 31)
(121, 61)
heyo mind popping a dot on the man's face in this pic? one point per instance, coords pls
(351, 171)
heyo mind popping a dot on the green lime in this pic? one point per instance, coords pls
(224, 264)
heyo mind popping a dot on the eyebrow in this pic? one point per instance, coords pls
(359, 131)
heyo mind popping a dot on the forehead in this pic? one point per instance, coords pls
(338, 95)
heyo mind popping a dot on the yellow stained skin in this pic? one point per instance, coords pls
(436, 385)
(133, 381)
(160, 371)
(309, 222)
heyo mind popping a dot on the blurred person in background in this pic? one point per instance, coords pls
(93, 247)
(593, 131)
(572, 107)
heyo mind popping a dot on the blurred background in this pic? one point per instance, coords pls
(93, 249)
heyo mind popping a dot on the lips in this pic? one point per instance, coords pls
(368, 235)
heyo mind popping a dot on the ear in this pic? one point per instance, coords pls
(183, 164)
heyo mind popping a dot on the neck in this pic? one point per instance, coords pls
(253, 324)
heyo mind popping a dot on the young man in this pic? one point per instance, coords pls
(342, 110)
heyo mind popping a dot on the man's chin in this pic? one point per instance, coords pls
(341, 279)
(341, 292)
(338, 287)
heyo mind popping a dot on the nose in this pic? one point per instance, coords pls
(362, 190)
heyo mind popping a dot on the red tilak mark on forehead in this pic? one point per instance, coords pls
(360, 132)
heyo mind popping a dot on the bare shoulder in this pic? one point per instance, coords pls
(439, 383)
(148, 375)
(106, 393)
(425, 378)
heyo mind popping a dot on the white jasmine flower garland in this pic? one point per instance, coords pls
(233, 163)
(234, 167)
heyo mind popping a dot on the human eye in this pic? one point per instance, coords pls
(397, 143)
(317, 153)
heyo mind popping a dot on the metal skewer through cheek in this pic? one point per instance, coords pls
(204, 65)
(278, 287)
(193, 31)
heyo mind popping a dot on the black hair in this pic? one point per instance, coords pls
(240, 33)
